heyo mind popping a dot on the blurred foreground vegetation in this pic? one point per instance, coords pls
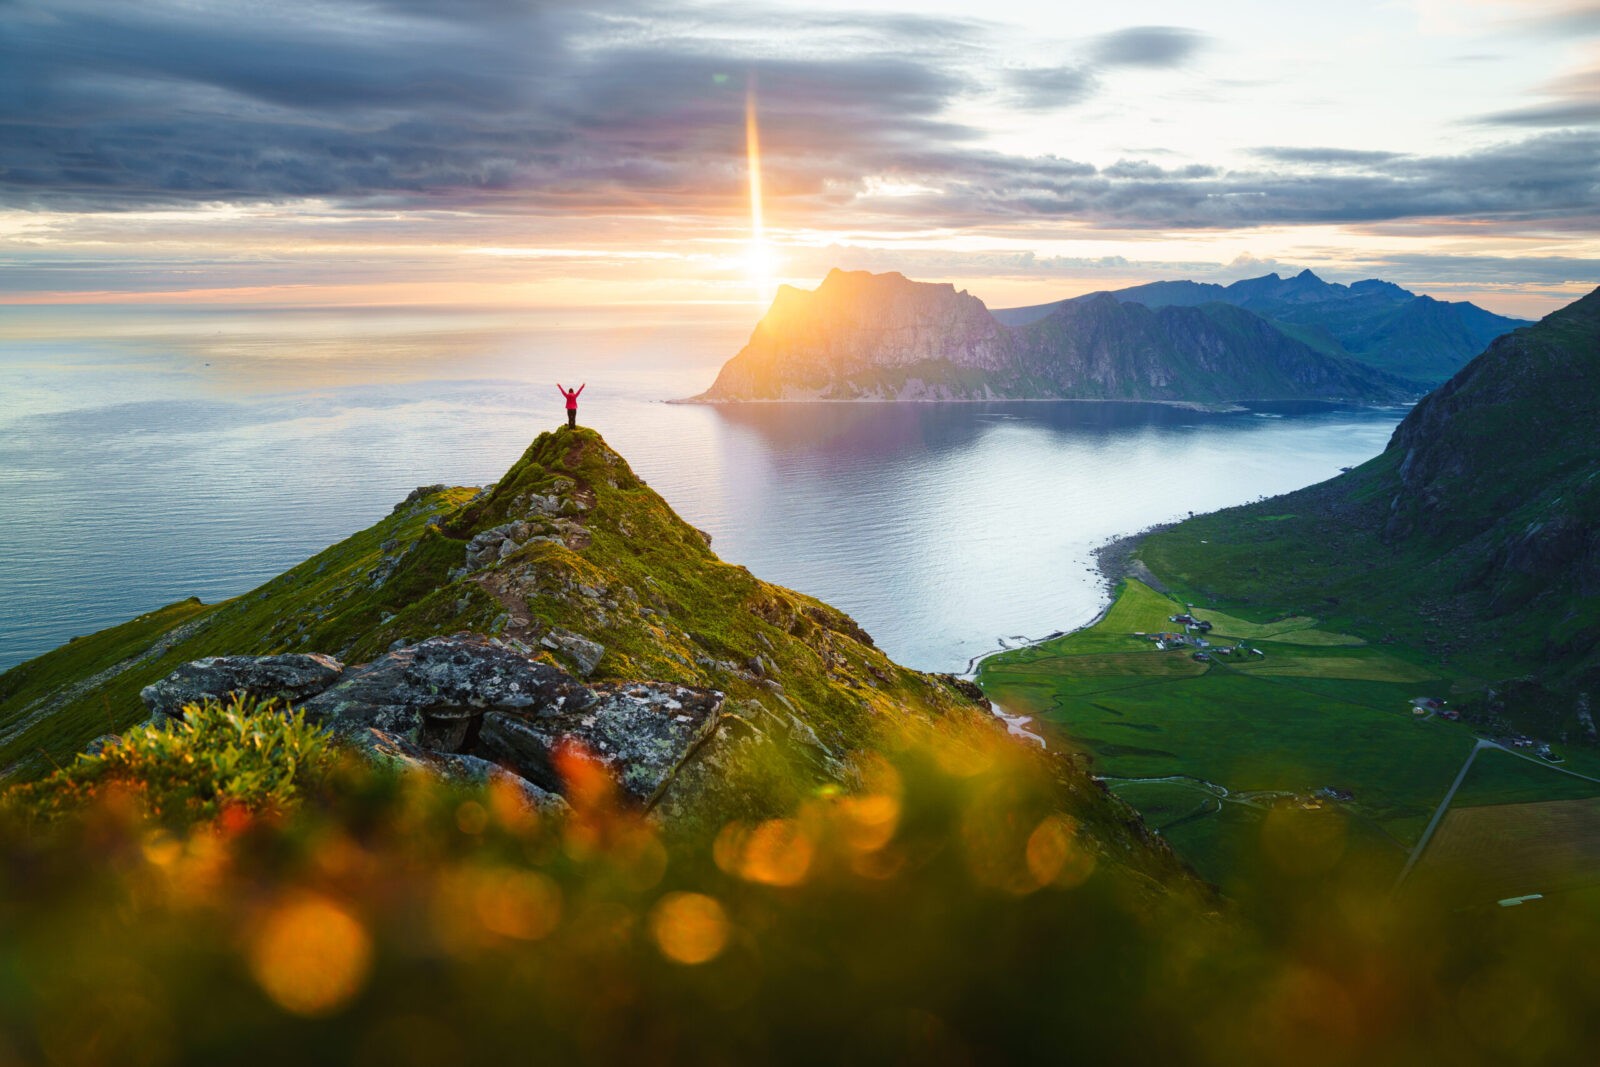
(233, 891)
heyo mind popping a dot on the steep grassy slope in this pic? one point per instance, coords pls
(603, 557)
(1475, 536)
(50, 706)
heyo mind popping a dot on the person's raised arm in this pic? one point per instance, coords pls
(562, 388)
(580, 390)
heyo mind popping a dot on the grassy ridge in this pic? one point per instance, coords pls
(604, 557)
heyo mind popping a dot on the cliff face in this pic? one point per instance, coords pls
(882, 337)
(1503, 456)
(857, 325)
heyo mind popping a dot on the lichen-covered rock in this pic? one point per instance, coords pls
(388, 750)
(641, 732)
(433, 692)
(101, 743)
(292, 677)
(584, 652)
(452, 703)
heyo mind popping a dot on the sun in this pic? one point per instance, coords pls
(761, 268)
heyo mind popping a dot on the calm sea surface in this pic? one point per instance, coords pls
(147, 456)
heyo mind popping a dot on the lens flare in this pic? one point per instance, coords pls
(760, 263)
(311, 956)
(689, 928)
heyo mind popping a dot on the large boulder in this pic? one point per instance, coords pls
(387, 750)
(434, 693)
(291, 677)
(641, 732)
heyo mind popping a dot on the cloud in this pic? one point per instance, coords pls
(1549, 179)
(1573, 99)
(1044, 88)
(1544, 270)
(1332, 157)
(1571, 113)
(1560, 19)
(1147, 46)
(542, 106)
(573, 111)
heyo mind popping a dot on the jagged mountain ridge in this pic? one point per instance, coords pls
(861, 336)
(1376, 322)
(1180, 353)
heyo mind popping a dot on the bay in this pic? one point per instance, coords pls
(150, 454)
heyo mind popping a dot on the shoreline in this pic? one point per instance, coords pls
(1223, 407)
(1220, 407)
(1115, 561)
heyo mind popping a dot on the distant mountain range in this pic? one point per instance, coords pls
(1376, 322)
(861, 336)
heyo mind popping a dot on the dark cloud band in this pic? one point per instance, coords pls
(542, 106)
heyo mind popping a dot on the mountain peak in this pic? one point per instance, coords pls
(839, 278)
(857, 325)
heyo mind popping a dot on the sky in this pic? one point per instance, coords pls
(546, 153)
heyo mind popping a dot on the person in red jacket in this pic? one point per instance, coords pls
(572, 403)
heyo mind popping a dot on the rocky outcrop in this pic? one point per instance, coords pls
(387, 749)
(432, 693)
(642, 733)
(584, 652)
(291, 678)
(862, 336)
(461, 706)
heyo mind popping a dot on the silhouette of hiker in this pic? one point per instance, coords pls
(572, 403)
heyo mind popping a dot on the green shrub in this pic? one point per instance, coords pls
(247, 753)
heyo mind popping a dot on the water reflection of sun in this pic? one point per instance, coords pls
(760, 260)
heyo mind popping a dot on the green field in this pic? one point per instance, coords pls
(1493, 851)
(1242, 735)
(1502, 778)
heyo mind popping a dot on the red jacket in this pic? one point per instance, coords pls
(572, 395)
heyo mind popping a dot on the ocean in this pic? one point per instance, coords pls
(152, 454)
